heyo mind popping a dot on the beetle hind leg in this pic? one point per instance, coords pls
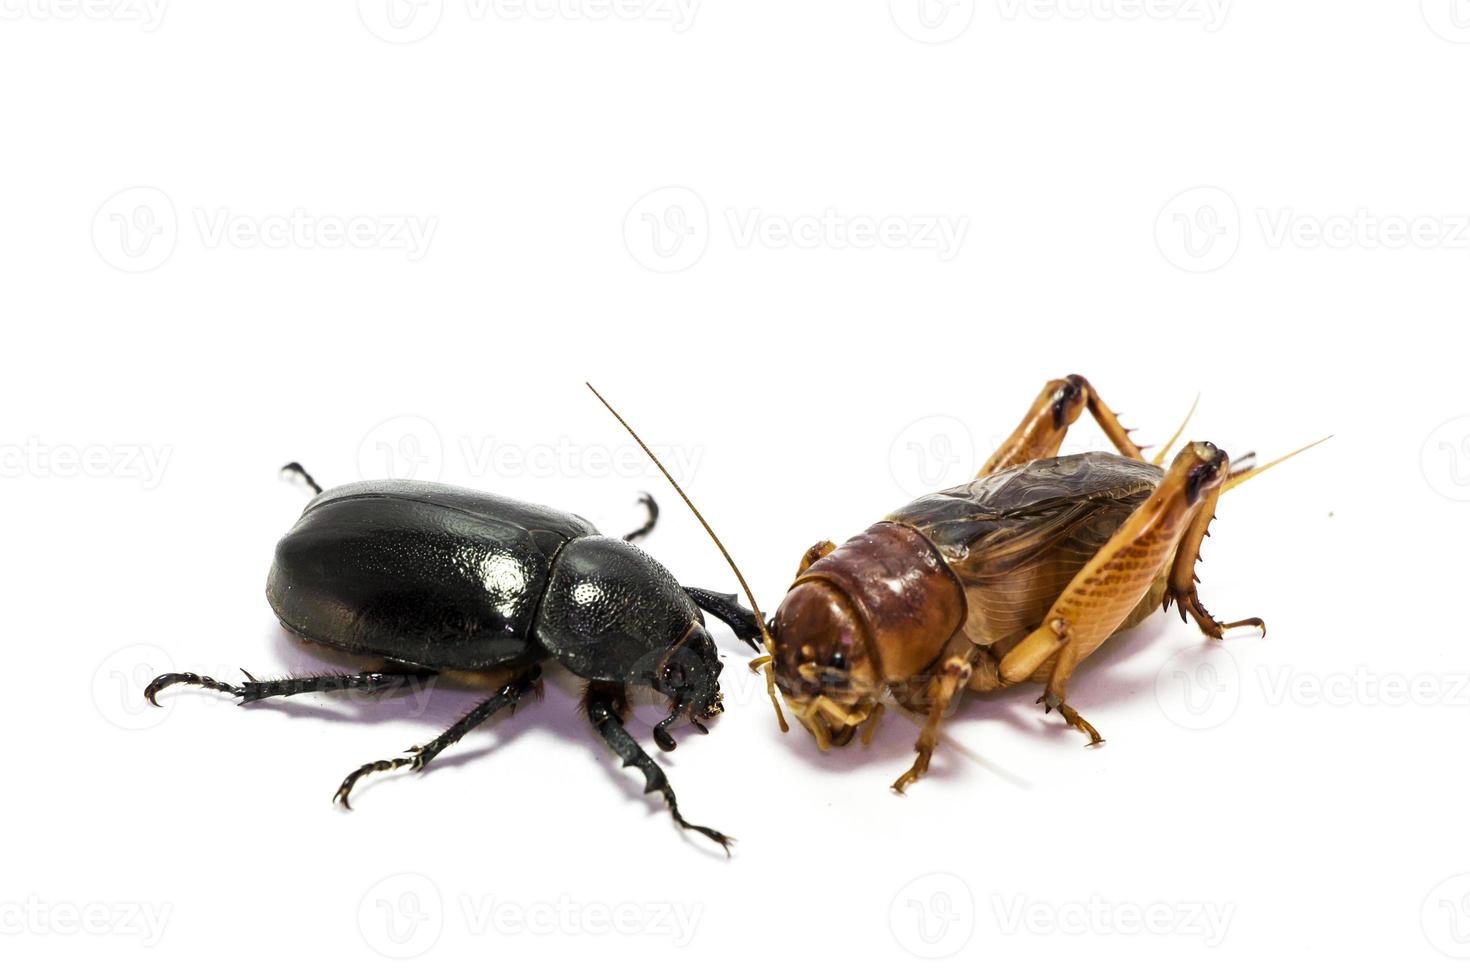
(420, 756)
(374, 682)
(605, 703)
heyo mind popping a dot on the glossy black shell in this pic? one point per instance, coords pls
(422, 573)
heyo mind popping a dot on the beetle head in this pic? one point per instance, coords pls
(692, 674)
(824, 663)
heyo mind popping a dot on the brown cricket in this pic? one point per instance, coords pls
(1015, 577)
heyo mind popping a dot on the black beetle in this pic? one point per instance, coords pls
(431, 578)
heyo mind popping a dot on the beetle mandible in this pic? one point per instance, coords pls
(429, 579)
(1015, 577)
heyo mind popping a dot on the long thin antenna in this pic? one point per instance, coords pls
(760, 620)
(1160, 456)
(1232, 482)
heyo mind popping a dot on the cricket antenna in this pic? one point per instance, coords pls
(1234, 481)
(760, 620)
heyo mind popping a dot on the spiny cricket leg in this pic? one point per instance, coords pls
(1045, 425)
(952, 675)
(605, 703)
(1113, 582)
(300, 470)
(814, 554)
(421, 755)
(1182, 578)
(254, 690)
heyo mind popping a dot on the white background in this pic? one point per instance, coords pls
(1261, 202)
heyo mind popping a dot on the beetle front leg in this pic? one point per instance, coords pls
(421, 755)
(1040, 434)
(726, 607)
(605, 703)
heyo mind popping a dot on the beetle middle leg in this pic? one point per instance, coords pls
(1045, 425)
(606, 703)
(373, 682)
(421, 755)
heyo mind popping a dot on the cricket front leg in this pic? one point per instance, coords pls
(1113, 582)
(1183, 580)
(1040, 434)
(949, 679)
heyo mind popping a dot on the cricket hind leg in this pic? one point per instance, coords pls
(1109, 588)
(605, 704)
(374, 682)
(1045, 425)
(420, 756)
(1182, 578)
(299, 470)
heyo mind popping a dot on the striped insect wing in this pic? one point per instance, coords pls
(1014, 539)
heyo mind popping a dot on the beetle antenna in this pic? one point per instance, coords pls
(760, 620)
(1234, 481)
